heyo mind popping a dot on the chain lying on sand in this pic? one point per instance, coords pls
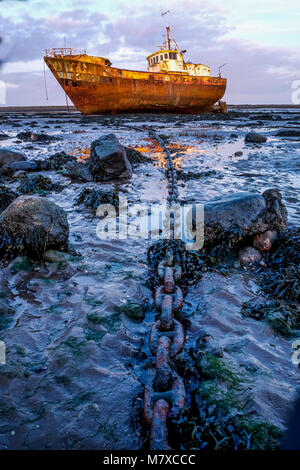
(164, 395)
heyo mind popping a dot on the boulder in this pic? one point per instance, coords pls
(240, 216)
(264, 241)
(78, 171)
(31, 225)
(24, 165)
(255, 138)
(108, 159)
(8, 156)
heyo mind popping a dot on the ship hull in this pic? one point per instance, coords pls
(97, 89)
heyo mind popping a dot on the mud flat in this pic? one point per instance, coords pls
(76, 325)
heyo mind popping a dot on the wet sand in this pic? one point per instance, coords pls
(73, 382)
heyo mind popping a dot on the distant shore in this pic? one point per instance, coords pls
(72, 109)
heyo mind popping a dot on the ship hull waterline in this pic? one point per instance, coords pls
(103, 92)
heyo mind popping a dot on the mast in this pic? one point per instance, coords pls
(168, 30)
(168, 36)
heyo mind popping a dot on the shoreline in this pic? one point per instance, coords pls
(72, 109)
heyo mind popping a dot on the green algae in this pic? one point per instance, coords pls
(133, 310)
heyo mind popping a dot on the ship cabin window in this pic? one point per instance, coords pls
(166, 56)
(173, 55)
(161, 57)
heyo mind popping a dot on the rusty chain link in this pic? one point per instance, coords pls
(164, 395)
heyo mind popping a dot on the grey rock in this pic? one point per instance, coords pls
(78, 171)
(288, 133)
(238, 216)
(31, 225)
(264, 241)
(249, 255)
(255, 138)
(108, 159)
(24, 165)
(8, 156)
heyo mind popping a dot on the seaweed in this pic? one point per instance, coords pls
(282, 317)
(111, 322)
(21, 264)
(281, 277)
(93, 198)
(36, 183)
(7, 196)
(6, 172)
(76, 346)
(63, 380)
(280, 283)
(135, 157)
(32, 244)
(195, 175)
(193, 263)
(56, 162)
(28, 136)
(218, 414)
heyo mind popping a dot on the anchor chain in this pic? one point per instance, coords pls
(164, 394)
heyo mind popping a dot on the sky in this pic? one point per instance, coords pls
(258, 40)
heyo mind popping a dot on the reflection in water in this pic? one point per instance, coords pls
(81, 153)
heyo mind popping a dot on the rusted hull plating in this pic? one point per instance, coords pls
(98, 89)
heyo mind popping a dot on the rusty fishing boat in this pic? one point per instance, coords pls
(171, 84)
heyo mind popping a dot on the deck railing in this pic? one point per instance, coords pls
(64, 51)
